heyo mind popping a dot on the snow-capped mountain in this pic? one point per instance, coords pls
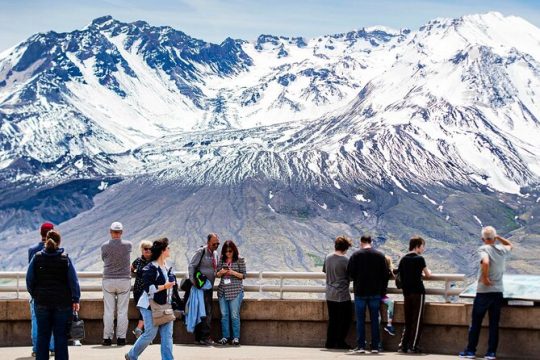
(431, 131)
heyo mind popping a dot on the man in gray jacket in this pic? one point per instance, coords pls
(205, 259)
(115, 254)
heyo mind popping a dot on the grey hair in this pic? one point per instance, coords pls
(489, 233)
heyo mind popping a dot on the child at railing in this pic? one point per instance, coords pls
(388, 301)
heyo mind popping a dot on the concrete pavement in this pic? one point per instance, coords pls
(245, 352)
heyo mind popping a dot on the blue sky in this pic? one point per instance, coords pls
(214, 20)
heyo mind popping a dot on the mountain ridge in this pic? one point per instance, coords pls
(348, 132)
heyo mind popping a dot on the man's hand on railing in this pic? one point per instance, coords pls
(76, 307)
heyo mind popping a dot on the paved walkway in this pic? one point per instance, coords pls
(95, 352)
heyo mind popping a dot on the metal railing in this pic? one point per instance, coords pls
(256, 282)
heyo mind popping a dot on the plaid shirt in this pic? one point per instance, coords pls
(231, 291)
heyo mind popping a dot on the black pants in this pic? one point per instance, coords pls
(491, 303)
(414, 318)
(202, 330)
(339, 322)
(136, 296)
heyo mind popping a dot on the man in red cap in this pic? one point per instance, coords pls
(44, 229)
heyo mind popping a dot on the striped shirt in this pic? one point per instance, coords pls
(231, 290)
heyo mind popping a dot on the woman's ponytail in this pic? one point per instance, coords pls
(52, 241)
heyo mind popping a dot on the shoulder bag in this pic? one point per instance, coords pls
(161, 314)
(200, 278)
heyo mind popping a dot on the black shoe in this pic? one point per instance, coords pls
(416, 350)
(106, 342)
(120, 342)
(402, 350)
(206, 342)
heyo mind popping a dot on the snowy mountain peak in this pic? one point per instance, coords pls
(109, 91)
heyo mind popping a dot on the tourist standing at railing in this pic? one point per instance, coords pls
(232, 272)
(338, 296)
(489, 292)
(137, 268)
(115, 254)
(367, 268)
(52, 282)
(411, 268)
(44, 229)
(159, 281)
(205, 259)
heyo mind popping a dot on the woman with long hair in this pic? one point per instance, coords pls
(52, 282)
(232, 272)
(137, 268)
(158, 280)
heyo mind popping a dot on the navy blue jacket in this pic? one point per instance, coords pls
(73, 281)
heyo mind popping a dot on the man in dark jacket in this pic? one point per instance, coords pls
(205, 259)
(368, 270)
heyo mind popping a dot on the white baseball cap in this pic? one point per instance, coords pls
(117, 226)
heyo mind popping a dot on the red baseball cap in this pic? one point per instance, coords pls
(45, 228)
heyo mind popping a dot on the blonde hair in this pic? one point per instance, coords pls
(145, 243)
(389, 262)
(52, 240)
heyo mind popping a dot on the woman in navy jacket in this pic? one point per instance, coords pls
(158, 281)
(52, 282)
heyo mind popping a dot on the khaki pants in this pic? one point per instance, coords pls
(115, 295)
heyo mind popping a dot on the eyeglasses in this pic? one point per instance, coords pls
(147, 249)
(216, 245)
(228, 251)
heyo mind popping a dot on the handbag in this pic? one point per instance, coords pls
(161, 314)
(186, 284)
(76, 330)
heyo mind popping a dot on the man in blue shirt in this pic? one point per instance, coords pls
(44, 229)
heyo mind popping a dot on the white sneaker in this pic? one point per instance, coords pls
(77, 343)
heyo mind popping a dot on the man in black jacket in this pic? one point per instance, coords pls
(368, 270)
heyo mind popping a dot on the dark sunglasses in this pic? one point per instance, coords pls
(228, 251)
(147, 249)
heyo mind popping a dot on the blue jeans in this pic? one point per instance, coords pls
(150, 332)
(491, 303)
(52, 320)
(230, 315)
(35, 331)
(373, 304)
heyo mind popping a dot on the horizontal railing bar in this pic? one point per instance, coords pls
(259, 287)
(268, 288)
(250, 275)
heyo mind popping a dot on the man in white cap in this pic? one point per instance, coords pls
(115, 254)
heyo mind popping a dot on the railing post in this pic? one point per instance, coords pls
(18, 286)
(281, 287)
(260, 284)
(446, 288)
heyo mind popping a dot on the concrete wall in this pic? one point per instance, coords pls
(303, 323)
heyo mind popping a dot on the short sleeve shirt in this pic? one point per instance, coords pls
(497, 264)
(410, 269)
(337, 281)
